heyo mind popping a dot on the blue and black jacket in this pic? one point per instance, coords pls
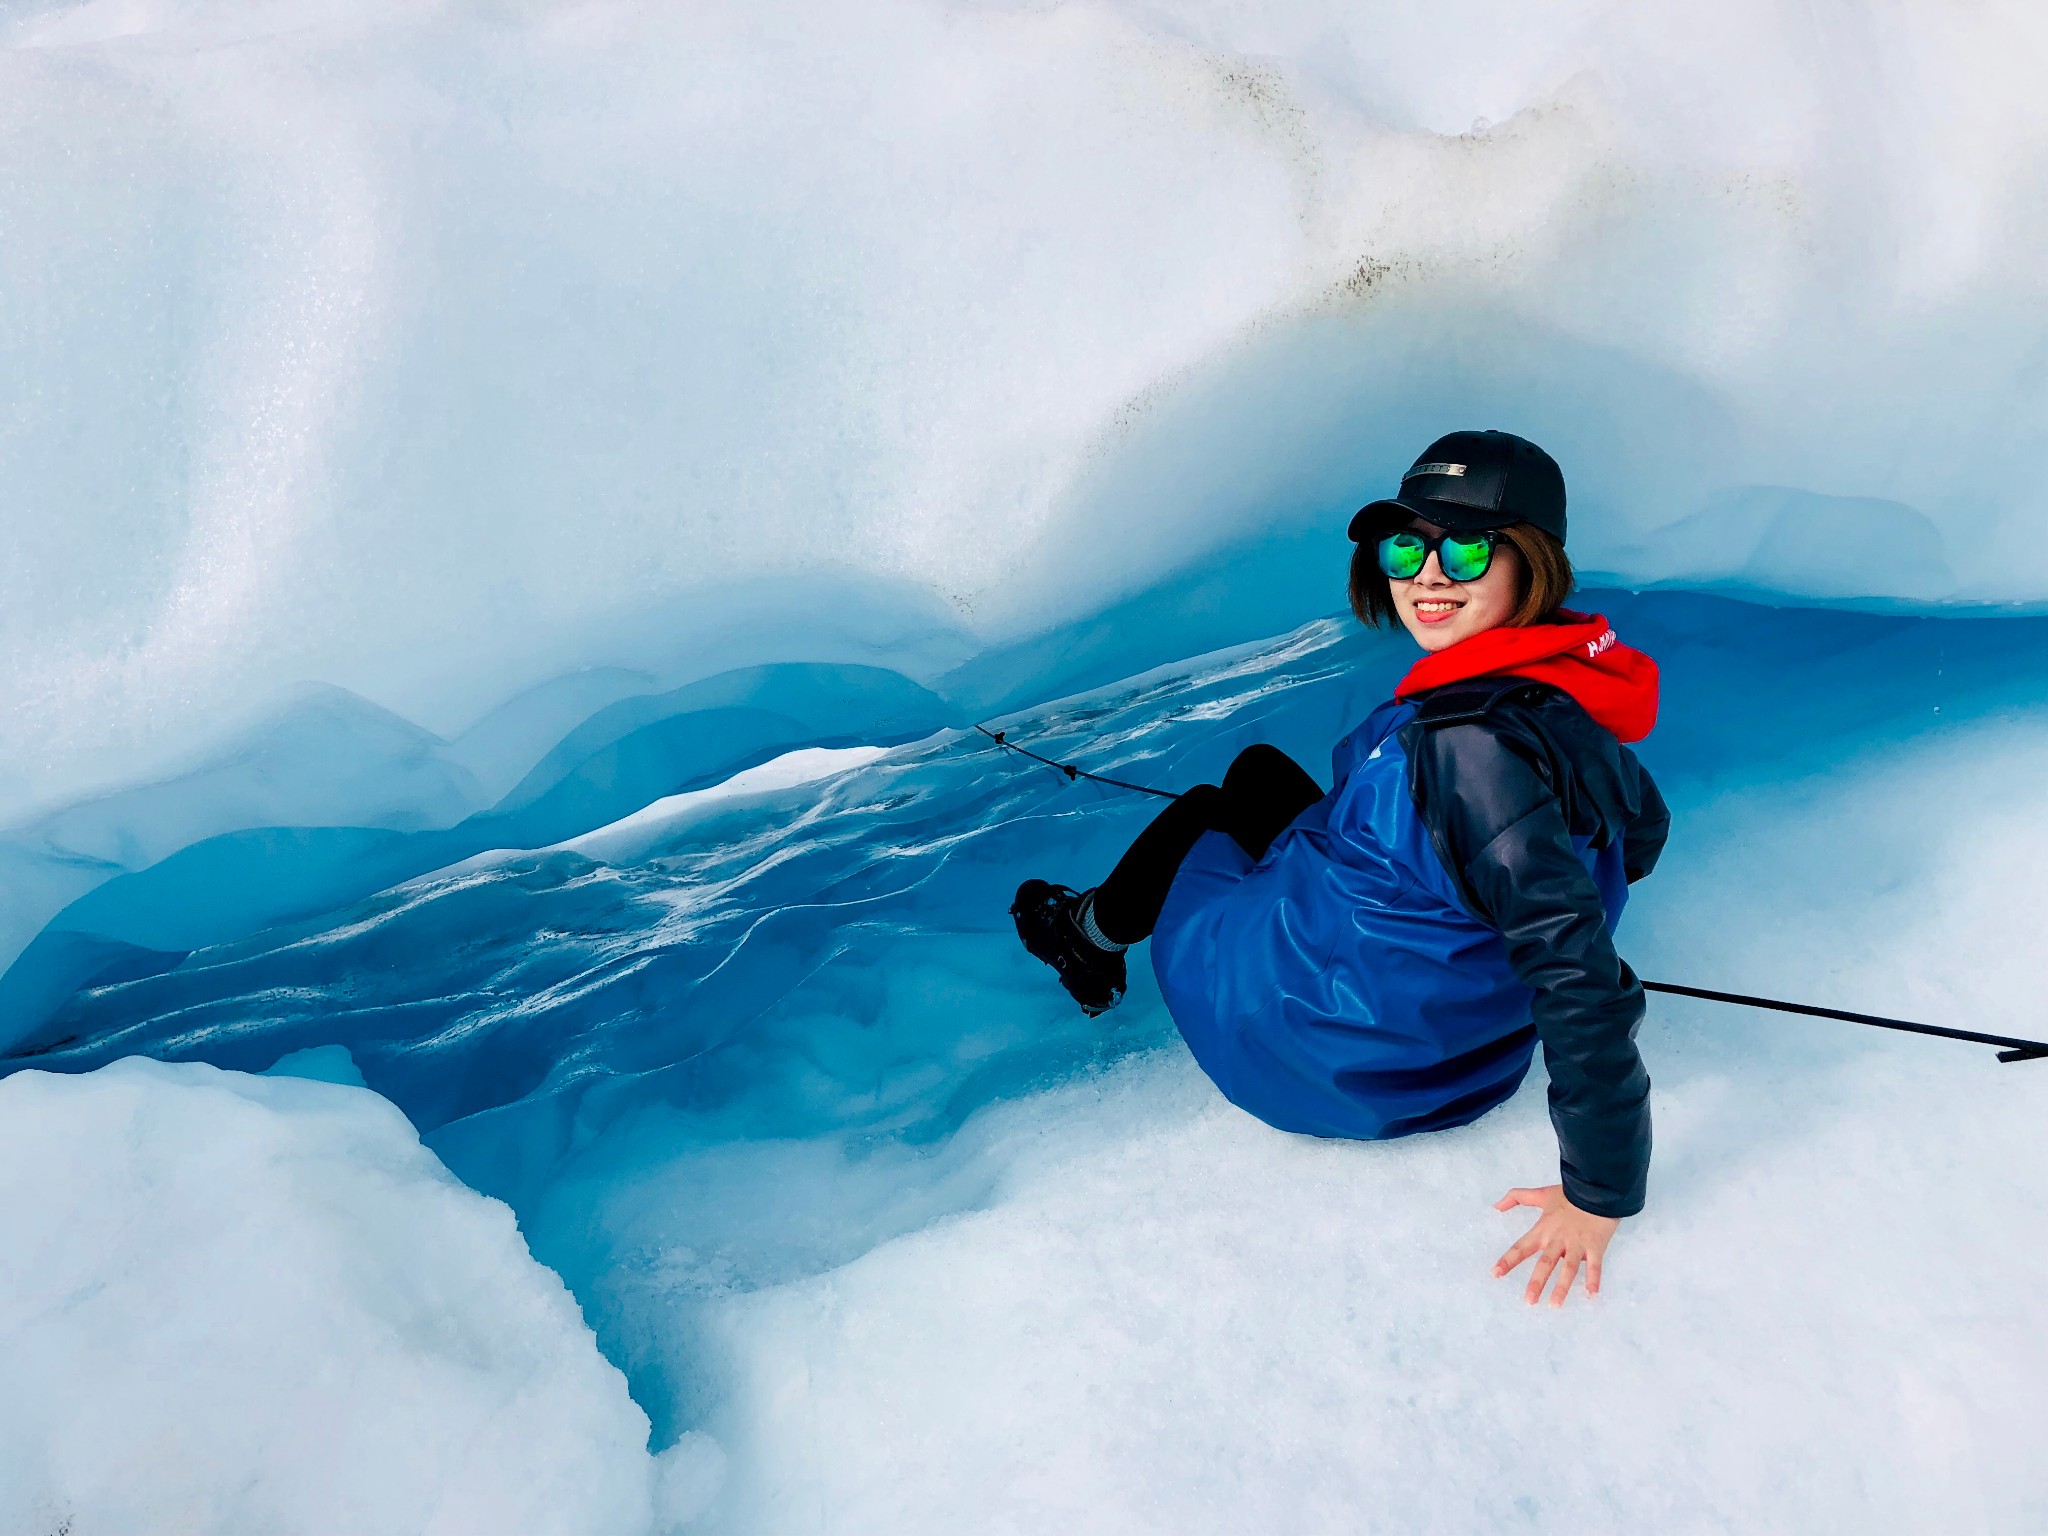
(1390, 964)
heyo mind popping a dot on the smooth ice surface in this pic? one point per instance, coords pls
(236, 1304)
(127, 885)
(319, 1064)
(646, 829)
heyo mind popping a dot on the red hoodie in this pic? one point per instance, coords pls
(1614, 683)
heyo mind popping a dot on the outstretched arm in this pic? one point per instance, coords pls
(1505, 838)
(1587, 1006)
(1488, 795)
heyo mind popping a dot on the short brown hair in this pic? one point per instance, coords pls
(1547, 579)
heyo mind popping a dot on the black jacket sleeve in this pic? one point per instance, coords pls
(1643, 841)
(1490, 797)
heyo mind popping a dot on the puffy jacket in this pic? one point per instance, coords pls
(1390, 964)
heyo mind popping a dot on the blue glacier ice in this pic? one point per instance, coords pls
(513, 516)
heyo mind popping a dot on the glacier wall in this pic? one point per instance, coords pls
(434, 352)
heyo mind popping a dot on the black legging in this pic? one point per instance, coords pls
(1264, 790)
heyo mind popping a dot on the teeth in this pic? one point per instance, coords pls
(1434, 607)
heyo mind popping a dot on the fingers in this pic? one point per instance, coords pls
(1566, 1239)
(1559, 1260)
(1529, 1243)
(1565, 1275)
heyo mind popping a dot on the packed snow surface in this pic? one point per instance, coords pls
(1167, 1318)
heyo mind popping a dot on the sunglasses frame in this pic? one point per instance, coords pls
(1432, 544)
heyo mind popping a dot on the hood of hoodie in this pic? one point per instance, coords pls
(1614, 683)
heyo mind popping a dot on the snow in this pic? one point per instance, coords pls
(236, 1304)
(511, 514)
(1170, 1319)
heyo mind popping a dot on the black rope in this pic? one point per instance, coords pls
(2015, 1049)
(1001, 739)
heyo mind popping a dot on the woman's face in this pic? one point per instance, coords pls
(1440, 612)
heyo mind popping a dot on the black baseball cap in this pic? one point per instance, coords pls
(1467, 481)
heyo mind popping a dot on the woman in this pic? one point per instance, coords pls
(1382, 959)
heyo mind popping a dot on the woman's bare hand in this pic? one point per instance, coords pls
(1564, 1235)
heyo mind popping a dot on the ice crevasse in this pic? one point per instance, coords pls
(511, 516)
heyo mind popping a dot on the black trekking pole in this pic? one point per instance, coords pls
(2015, 1049)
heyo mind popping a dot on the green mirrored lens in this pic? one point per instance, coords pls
(1467, 559)
(1402, 555)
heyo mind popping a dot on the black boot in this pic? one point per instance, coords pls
(1048, 922)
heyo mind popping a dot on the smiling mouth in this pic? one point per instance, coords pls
(1436, 611)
